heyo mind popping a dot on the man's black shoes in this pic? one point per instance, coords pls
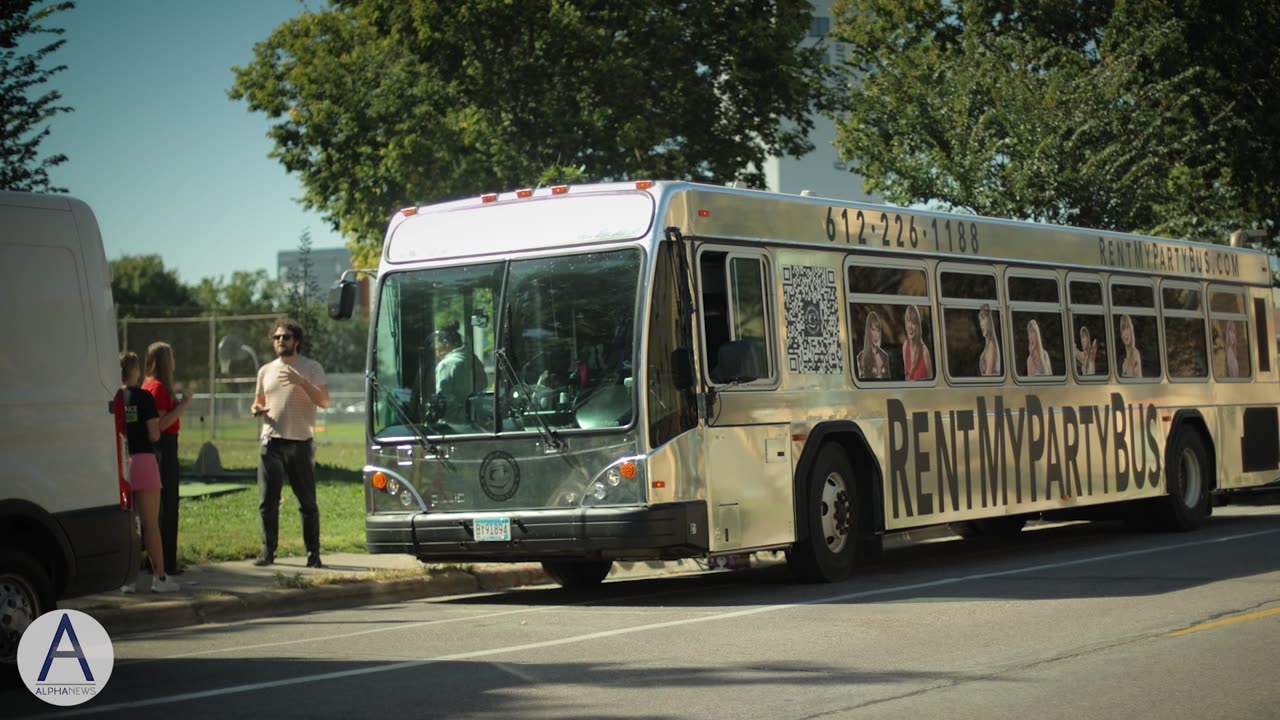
(313, 560)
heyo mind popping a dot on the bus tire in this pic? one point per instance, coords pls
(1006, 526)
(26, 593)
(1187, 505)
(827, 552)
(577, 573)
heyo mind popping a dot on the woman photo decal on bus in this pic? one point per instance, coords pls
(989, 360)
(1038, 362)
(1132, 365)
(915, 354)
(1087, 355)
(1231, 339)
(873, 362)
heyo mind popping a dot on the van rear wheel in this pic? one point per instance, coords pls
(26, 593)
(577, 573)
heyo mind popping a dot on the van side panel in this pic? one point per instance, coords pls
(59, 370)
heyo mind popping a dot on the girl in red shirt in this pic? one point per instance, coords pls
(160, 366)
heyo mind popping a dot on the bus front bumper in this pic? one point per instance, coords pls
(667, 531)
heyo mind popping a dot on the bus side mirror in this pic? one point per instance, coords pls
(682, 368)
(342, 298)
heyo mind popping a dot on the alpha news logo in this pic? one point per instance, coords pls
(65, 657)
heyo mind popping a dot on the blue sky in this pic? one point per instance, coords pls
(170, 164)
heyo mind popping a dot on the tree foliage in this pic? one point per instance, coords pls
(142, 287)
(24, 111)
(304, 288)
(247, 292)
(381, 104)
(1154, 116)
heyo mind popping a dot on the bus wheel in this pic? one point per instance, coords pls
(577, 573)
(26, 593)
(827, 552)
(1006, 526)
(1187, 482)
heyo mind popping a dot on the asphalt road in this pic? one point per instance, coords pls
(1074, 621)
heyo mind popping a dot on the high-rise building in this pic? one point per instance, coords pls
(821, 171)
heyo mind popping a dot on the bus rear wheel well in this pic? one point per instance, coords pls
(1193, 421)
(866, 471)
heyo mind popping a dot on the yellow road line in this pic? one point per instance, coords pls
(1228, 621)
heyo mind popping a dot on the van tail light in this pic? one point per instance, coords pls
(122, 451)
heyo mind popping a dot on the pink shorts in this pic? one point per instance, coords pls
(144, 472)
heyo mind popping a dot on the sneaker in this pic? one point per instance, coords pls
(164, 585)
(264, 559)
(129, 589)
(313, 560)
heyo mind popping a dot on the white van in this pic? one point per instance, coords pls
(65, 527)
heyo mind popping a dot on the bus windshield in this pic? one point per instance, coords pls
(556, 356)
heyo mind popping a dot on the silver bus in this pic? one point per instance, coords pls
(660, 370)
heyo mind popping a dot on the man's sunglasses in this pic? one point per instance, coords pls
(282, 336)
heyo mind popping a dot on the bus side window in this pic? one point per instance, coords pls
(971, 326)
(714, 303)
(1260, 329)
(735, 316)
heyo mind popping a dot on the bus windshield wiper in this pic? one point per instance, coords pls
(404, 414)
(549, 436)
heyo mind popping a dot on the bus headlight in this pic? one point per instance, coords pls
(619, 484)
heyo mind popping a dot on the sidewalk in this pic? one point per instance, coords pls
(236, 590)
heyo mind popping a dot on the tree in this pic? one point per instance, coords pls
(23, 118)
(304, 288)
(142, 287)
(246, 293)
(383, 104)
(1152, 117)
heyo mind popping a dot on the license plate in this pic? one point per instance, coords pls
(492, 529)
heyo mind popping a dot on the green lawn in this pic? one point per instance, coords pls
(226, 527)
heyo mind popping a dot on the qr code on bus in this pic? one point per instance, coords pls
(813, 326)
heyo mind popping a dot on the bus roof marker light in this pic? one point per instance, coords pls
(644, 184)
(559, 189)
(409, 211)
(489, 197)
(524, 193)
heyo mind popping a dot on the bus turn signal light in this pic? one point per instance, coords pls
(628, 470)
(379, 480)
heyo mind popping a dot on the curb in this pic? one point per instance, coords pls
(170, 614)
(166, 615)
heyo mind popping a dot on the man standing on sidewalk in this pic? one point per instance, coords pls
(289, 390)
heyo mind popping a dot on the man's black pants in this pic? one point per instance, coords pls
(294, 459)
(167, 455)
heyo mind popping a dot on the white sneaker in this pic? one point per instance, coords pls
(129, 589)
(164, 586)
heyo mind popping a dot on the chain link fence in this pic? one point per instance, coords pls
(217, 359)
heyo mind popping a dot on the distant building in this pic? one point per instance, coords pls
(327, 265)
(821, 171)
